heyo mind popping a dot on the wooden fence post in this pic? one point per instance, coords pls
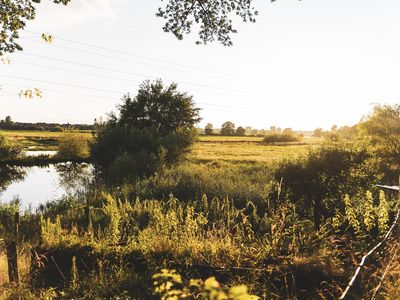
(12, 254)
(86, 211)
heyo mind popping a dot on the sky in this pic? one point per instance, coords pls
(303, 64)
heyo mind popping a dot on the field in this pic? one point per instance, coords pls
(37, 140)
(245, 149)
(231, 210)
(207, 148)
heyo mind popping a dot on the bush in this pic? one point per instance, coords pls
(318, 181)
(189, 181)
(73, 146)
(56, 129)
(8, 152)
(285, 137)
(153, 129)
(125, 153)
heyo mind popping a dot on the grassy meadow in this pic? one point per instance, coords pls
(38, 140)
(236, 209)
(206, 148)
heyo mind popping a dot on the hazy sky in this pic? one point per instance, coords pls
(304, 64)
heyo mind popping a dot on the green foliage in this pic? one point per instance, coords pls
(7, 151)
(153, 129)
(383, 215)
(284, 137)
(316, 181)
(13, 17)
(190, 181)
(351, 215)
(168, 285)
(7, 212)
(209, 130)
(228, 128)
(368, 218)
(383, 130)
(214, 20)
(240, 131)
(73, 146)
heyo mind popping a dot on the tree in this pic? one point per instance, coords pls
(13, 17)
(162, 109)
(208, 130)
(153, 129)
(318, 132)
(212, 17)
(287, 131)
(383, 130)
(240, 131)
(228, 128)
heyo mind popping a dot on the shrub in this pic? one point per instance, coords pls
(8, 152)
(56, 129)
(73, 146)
(285, 137)
(318, 180)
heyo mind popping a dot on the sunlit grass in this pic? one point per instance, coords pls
(38, 140)
(230, 148)
(246, 149)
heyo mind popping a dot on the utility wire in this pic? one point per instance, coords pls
(136, 55)
(131, 61)
(103, 76)
(131, 73)
(104, 97)
(62, 84)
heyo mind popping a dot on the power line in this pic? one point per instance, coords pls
(130, 73)
(131, 61)
(61, 84)
(108, 98)
(138, 56)
(101, 75)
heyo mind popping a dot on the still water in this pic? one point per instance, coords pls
(38, 185)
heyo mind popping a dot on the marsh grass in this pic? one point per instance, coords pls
(38, 140)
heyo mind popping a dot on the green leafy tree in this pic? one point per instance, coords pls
(213, 18)
(13, 17)
(164, 109)
(228, 128)
(382, 128)
(153, 129)
(208, 130)
(240, 131)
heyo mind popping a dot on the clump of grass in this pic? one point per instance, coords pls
(73, 146)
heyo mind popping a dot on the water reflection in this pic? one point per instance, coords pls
(38, 185)
(9, 175)
(73, 176)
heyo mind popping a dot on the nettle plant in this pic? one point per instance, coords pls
(362, 215)
(168, 285)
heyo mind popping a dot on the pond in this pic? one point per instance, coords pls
(37, 185)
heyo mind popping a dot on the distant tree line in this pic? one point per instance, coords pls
(9, 124)
(228, 128)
